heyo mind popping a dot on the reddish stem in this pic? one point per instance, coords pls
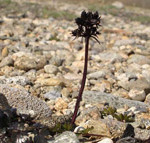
(83, 81)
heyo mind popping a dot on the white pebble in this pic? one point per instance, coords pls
(106, 140)
(78, 129)
(138, 95)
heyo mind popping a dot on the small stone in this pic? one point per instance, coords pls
(79, 129)
(57, 61)
(127, 140)
(31, 74)
(124, 42)
(71, 76)
(147, 100)
(66, 92)
(50, 82)
(7, 61)
(139, 59)
(5, 52)
(28, 61)
(118, 4)
(66, 137)
(21, 80)
(142, 134)
(140, 84)
(97, 75)
(87, 113)
(106, 140)
(52, 95)
(51, 69)
(103, 86)
(99, 127)
(134, 110)
(60, 104)
(32, 113)
(136, 94)
(111, 57)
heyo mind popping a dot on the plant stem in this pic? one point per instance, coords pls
(83, 81)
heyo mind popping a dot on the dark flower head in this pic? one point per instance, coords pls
(88, 25)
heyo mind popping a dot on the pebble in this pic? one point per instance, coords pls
(127, 140)
(99, 128)
(138, 95)
(29, 103)
(50, 82)
(97, 75)
(79, 129)
(118, 4)
(124, 42)
(66, 137)
(51, 69)
(111, 57)
(147, 100)
(139, 59)
(20, 80)
(52, 95)
(106, 140)
(60, 104)
(7, 61)
(28, 62)
(5, 52)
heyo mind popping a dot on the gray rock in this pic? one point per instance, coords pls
(139, 59)
(138, 95)
(127, 140)
(51, 69)
(66, 137)
(31, 74)
(86, 115)
(24, 102)
(140, 84)
(133, 68)
(28, 62)
(124, 42)
(21, 80)
(7, 61)
(146, 74)
(114, 101)
(52, 95)
(141, 134)
(147, 100)
(97, 75)
(110, 56)
(57, 61)
(106, 127)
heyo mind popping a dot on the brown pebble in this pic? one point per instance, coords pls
(5, 52)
